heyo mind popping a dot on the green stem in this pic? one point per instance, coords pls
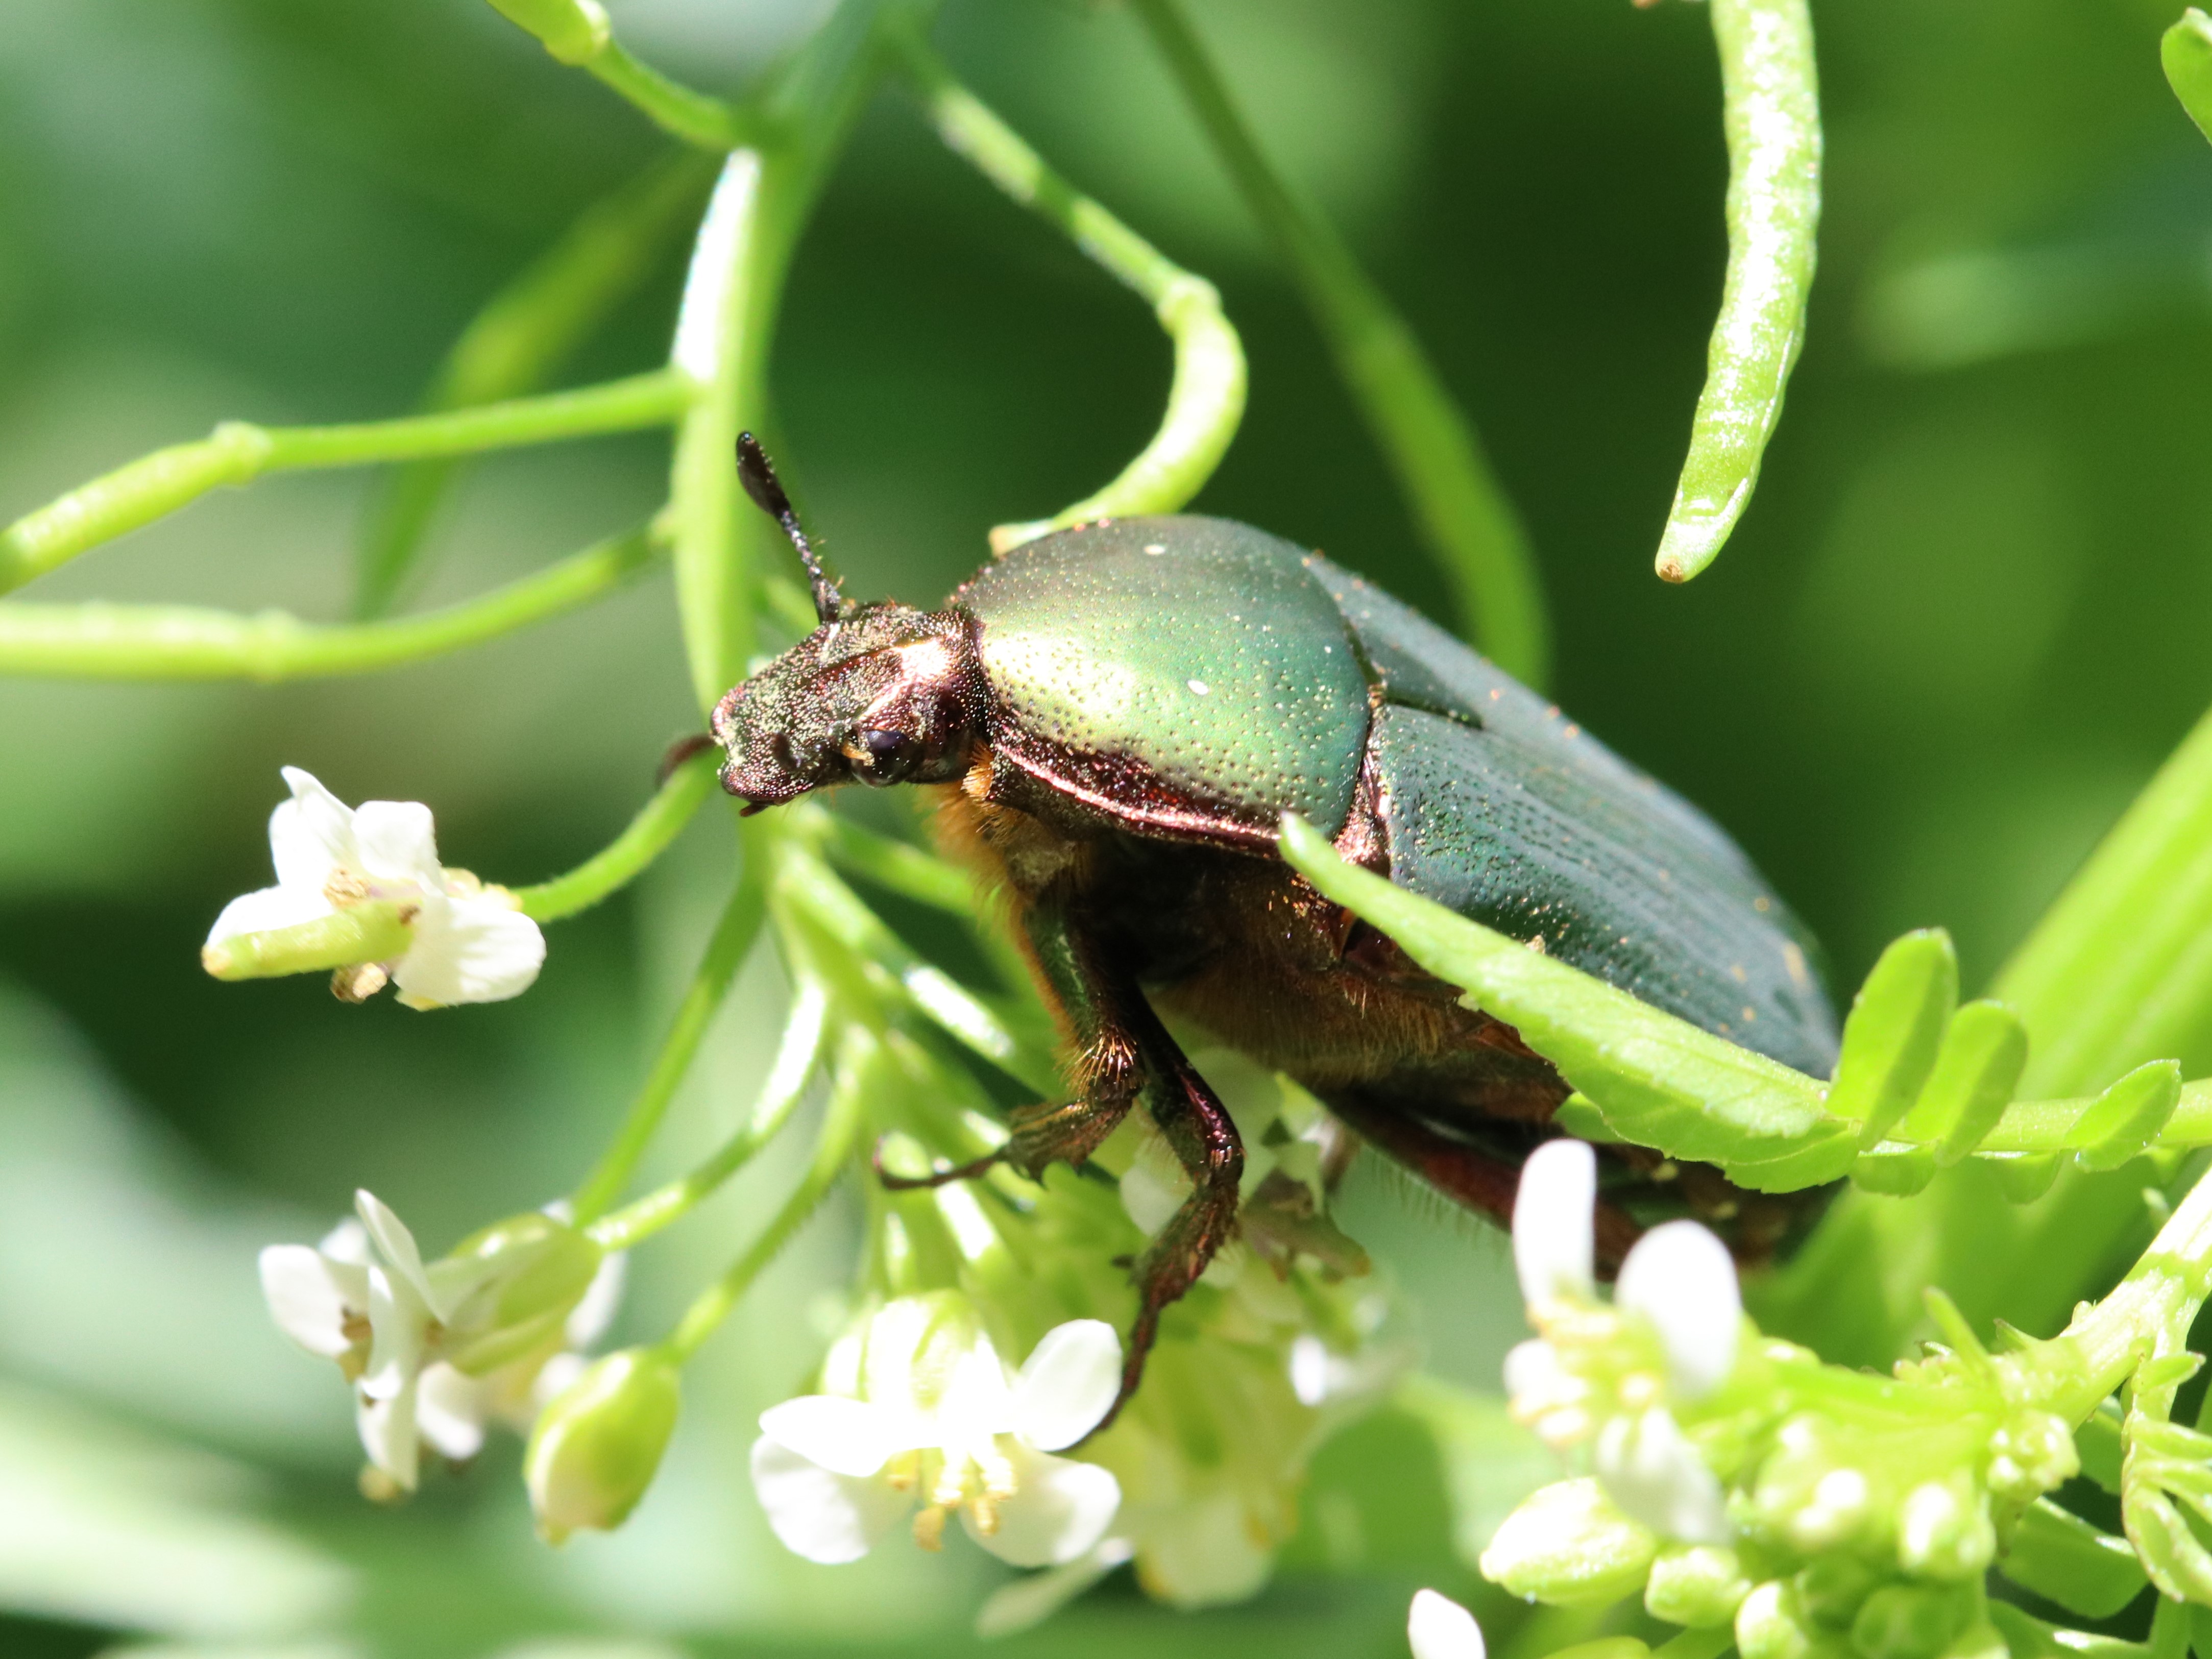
(658, 822)
(905, 870)
(725, 952)
(1205, 401)
(576, 32)
(96, 640)
(833, 1151)
(2118, 970)
(726, 323)
(1458, 505)
(813, 888)
(237, 453)
(2186, 54)
(787, 1077)
(1771, 112)
(519, 340)
(2161, 1292)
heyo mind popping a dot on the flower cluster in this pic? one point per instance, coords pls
(440, 935)
(435, 1351)
(1737, 1482)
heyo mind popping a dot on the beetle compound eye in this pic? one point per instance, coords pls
(884, 756)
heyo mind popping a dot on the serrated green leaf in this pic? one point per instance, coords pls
(1893, 1032)
(1895, 1169)
(1976, 1070)
(2023, 1177)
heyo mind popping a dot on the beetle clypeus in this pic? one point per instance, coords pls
(1115, 718)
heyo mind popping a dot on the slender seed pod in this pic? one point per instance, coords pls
(1772, 116)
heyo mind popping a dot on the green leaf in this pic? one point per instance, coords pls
(2063, 1559)
(2126, 1118)
(1894, 1030)
(1976, 1071)
(2186, 52)
(1658, 1081)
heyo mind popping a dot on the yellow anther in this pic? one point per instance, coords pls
(929, 1527)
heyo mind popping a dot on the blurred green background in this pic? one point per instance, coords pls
(1961, 624)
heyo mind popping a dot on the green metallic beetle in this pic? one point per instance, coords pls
(1116, 717)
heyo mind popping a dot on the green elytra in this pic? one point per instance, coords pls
(1118, 715)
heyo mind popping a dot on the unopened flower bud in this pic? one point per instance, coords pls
(573, 31)
(2032, 1454)
(597, 1446)
(1699, 1586)
(1569, 1545)
(1909, 1621)
(1771, 1623)
(538, 1269)
(1944, 1531)
(1833, 1589)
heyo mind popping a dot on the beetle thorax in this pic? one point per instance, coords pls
(886, 694)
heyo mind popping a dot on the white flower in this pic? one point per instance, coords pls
(1553, 1246)
(1592, 1374)
(932, 1417)
(469, 942)
(1437, 1627)
(364, 1298)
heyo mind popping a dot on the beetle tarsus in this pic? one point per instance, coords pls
(968, 1172)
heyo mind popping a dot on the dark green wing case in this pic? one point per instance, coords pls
(1511, 814)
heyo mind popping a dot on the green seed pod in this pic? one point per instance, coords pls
(1568, 1545)
(1699, 1585)
(596, 1448)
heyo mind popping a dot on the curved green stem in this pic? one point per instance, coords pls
(725, 952)
(833, 1151)
(519, 340)
(94, 640)
(905, 870)
(658, 822)
(1458, 505)
(1205, 401)
(1771, 111)
(237, 453)
(576, 32)
(787, 1077)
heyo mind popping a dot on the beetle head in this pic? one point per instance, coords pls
(887, 694)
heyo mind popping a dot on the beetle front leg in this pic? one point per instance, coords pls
(1128, 1057)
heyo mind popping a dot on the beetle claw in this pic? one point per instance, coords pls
(944, 1177)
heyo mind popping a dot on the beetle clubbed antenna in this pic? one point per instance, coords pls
(759, 480)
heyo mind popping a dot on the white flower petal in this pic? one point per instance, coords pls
(309, 835)
(310, 1297)
(977, 1406)
(1553, 1246)
(1532, 1371)
(844, 1436)
(395, 1245)
(450, 1410)
(346, 1242)
(819, 1514)
(267, 909)
(473, 950)
(1650, 1470)
(1681, 1277)
(388, 1435)
(1059, 1510)
(395, 842)
(1437, 1627)
(397, 1322)
(588, 1320)
(1069, 1379)
(1028, 1602)
(1202, 1553)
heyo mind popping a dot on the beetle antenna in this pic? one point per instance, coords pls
(759, 480)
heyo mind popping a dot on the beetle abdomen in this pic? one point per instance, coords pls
(1191, 668)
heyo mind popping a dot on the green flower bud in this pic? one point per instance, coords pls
(1909, 1621)
(574, 31)
(595, 1447)
(1832, 1589)
(1696, 1585)
(1569, 1545)
(1772, 1624)
(1944, 1530)
(2032, 1453)
(539, 1269)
